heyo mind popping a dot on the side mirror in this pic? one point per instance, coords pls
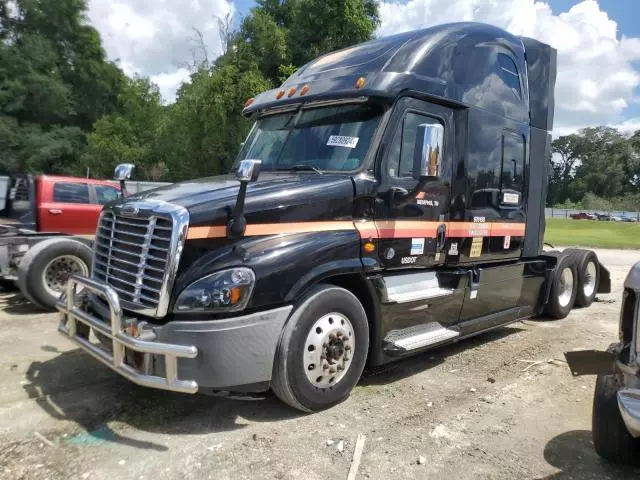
(123, 171)
(427, 153)
(248, 170)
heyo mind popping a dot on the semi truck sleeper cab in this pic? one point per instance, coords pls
(388, 199)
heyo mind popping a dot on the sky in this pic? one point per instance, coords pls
(598, 43)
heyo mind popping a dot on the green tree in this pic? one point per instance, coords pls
(202, 132)
(320, 27)
(129, 136)
(55, 83)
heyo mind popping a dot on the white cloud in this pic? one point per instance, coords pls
(596, 79)
(168, 83)
(156, 38)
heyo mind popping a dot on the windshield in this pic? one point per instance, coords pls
(326, 138)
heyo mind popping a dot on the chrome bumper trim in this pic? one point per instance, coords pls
(71, 314)
(629, 403)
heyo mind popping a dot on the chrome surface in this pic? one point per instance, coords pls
(328, 350)
(123, 171)
(420, 336)
(629, 403)
(72, 314)
(565, 287)
(413, 287)
(137, 250)
(58, 271)
(248, 170)
(590, 278)
(428, 149)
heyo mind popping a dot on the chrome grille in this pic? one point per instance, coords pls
(137, 254)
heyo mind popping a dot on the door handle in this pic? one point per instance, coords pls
(441, 236)
(55, 211)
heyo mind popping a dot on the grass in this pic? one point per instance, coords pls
(592, 233)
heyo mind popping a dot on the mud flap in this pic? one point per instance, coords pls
(604, 285)
(591, 362)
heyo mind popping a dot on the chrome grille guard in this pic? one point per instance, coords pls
(72, 314)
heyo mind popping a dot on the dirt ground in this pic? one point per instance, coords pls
(477, 410)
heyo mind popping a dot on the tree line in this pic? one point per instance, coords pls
(595, 168)
(64, 108)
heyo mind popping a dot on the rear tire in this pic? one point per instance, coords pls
(563, 288)
(313, 322)
(611, 438)
(65, 256)
(588, 270)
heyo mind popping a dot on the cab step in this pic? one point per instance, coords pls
(414, 287)
(419, 336)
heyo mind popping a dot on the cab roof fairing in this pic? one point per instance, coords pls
(452, 61)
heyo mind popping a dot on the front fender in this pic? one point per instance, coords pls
(285, 265)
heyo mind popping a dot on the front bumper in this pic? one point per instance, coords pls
(629, 403)
(181, 356)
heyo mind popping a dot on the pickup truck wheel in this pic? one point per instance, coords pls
(322, 351)
(46, 267)
(563, 288)
(611, 438)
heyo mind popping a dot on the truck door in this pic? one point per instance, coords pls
(411, 218)
(66, 207)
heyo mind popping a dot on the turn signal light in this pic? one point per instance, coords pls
(369, 247)
(280, 95)
(248, 102)
(360, 82)
(304, 90)
(292, 90)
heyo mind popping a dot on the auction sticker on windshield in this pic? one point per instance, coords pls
(342, 141)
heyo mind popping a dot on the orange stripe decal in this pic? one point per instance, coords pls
(258, 229)
(383, 229)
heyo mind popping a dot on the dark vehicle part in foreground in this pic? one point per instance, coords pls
(46, 227)
(389, 199)
(616, 403)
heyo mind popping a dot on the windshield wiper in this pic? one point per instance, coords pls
(297, 168)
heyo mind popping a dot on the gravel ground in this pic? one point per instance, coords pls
(477, 410)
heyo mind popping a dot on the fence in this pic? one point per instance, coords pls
(566, 213)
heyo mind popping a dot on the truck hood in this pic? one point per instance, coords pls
(275, 197)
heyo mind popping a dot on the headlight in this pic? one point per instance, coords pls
(224, 291)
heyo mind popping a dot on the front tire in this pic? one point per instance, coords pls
(46, 267)
(323, 350)
(611, 438)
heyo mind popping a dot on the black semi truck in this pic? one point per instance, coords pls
(388, 199)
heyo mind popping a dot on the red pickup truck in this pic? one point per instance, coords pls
(49, 203)
(46, 226)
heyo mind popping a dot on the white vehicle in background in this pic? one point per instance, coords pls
(616, 403)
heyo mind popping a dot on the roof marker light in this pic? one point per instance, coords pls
(248, 102)
(304, 90)
(292, 90)
(280, 95)
(360, 82)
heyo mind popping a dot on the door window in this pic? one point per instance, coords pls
(65, 192)
(106, 194)
(400, 158)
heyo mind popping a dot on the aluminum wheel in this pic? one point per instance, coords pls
(590, 277)
(58, 271)
(565, 290)
(328, 350)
